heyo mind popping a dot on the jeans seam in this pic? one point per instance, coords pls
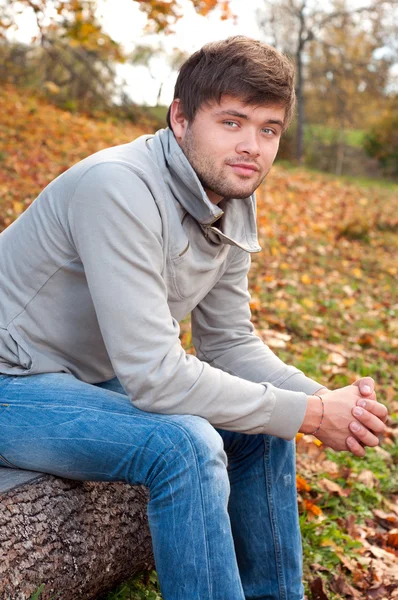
(279, 570)
(7, 463)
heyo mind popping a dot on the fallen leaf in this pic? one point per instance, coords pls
(274, 339)
(386, 520)
(332, 487)
(366, 339)
(336, 359)
(340, 586)
(317, 589)
(302, 485)
(312, 508)
(368, 478)
(392, 539)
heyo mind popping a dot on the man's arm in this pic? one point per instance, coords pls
(117, 230)
(224, 336)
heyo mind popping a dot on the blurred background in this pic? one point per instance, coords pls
(121, 57)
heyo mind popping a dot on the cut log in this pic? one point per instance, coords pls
(79, 539)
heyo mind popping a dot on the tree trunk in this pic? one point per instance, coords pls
(300, 105)
(79, 539)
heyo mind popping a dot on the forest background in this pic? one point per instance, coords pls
(324, 292)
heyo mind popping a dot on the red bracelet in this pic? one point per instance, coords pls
(323, 414)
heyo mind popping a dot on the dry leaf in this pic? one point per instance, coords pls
(386, 520)
(392, 540)
(340, 586)
(337, 359)
(317, 589)
(332, 487)
(367, 477)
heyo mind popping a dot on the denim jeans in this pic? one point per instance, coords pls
(222, 510)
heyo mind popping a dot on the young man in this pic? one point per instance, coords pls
(96, 275)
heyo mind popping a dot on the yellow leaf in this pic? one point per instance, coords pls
(307, 302)
(357, 273)
(281, 304)
(18, 207)
(306, 279)
(330, 542)
(349, 301)
(52, 87)
(255, 304)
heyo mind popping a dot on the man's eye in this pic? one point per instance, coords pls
(268, 131)
(230, 123)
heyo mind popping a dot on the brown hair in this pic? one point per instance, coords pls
(239, 66)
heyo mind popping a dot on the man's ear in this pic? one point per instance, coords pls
(178, 121)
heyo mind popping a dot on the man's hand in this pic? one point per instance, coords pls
(366, 386)
(339, 430)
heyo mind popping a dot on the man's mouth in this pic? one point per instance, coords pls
(244, 168)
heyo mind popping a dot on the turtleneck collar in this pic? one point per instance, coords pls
(238, 216)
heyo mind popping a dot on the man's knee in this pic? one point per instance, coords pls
(189, 444)
(189, 434)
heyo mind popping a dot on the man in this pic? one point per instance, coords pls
(96, 275)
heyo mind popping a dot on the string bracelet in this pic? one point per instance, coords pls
(323, 414)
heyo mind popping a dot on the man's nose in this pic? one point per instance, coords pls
(249, 145)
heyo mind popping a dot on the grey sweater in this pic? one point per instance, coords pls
(99, 270)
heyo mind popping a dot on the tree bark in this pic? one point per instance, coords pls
(79, 539)
(303, 37)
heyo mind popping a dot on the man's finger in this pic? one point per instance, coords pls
(355, 447)
(376, 408)
(363, 435)
(366, 385)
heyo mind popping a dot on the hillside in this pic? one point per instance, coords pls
(39, 141)
(324, 297)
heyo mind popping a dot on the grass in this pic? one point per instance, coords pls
(352, 137)
(143, 587)
(379, 184)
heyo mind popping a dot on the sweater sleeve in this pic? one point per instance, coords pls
(117, 231)
(223, 336)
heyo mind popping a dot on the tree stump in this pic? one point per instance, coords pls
(79, 539)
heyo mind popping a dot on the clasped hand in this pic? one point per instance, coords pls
(353, 418)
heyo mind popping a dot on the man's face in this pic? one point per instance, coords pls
(231, 145)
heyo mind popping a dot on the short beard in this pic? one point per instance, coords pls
(207, 174)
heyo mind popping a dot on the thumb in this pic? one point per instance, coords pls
(366, 386)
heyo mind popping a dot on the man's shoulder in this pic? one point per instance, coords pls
(133, 159)
(133, 154)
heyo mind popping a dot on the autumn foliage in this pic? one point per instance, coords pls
(324, 297)
(39, 141)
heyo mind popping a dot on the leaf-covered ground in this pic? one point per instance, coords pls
(39, 141)
(324, 297)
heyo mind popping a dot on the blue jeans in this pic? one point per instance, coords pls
(223, 508)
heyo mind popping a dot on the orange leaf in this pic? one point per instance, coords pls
(302, 485)
(312, 508)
